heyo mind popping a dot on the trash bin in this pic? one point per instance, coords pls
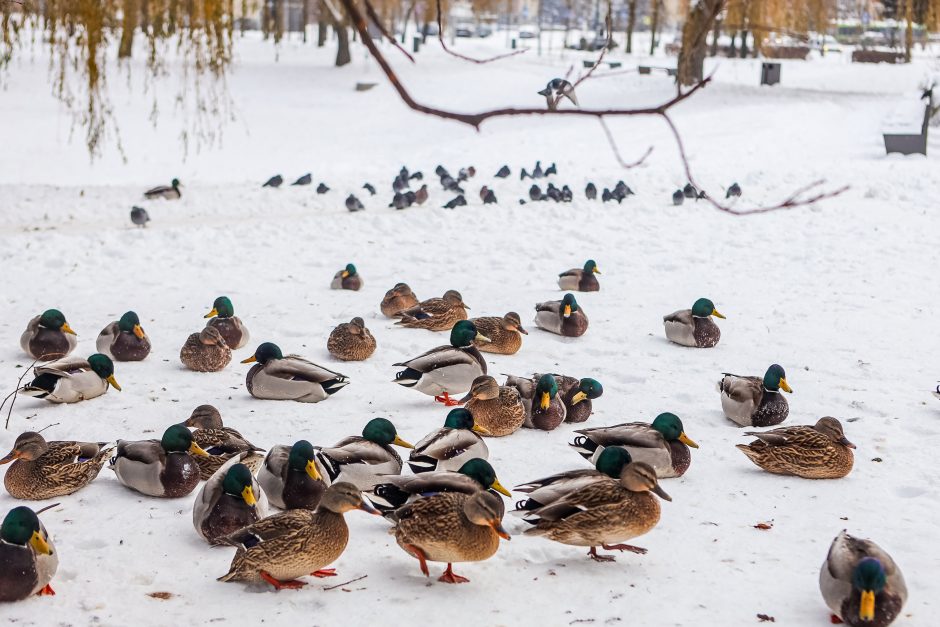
(415, 43)
(769, 73)
(513, 43)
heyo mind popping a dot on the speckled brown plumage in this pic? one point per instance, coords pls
(351, 341)
(817, 452)
(498, 409)
(398, 299)
(505, 333)
(220, 442)
(45, 470)
(206, 351)
(435, 314)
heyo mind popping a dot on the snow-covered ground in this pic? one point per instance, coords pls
(842, 294)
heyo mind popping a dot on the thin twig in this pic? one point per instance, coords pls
(54, 424)
(346, 583)
(600, 57)
(47, 508)
(440, 37)
(14, 392)
(613, 146)
(378, 24)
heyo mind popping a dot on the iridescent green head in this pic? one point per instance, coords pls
(670, 427)
(19, 526)
(775, 379)
(464, 333)
(703, 308)
(237, 482)
(102, 366)
(266, 351)
(612, 460)
(483, 473)
(590, 266)
(221, 307)
(174, 183)
(302, 458)
(179, 439)
(349, 271)
(55, 320)
(459, 418)
(590, 388)
(130, 323)
(568, 305)
(545, 390)
(869, 578)
(382, 431)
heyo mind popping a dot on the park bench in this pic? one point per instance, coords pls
(611, 64)
(905, 129)
(648, 69)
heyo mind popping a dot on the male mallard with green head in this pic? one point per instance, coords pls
(445, 369)
(549, 489)
(694, 327)
(449, 447)
(168, 192)
(861, 584)
(662, 444)
(124, 339)
(818, 452)
(580, 279)
(544, 407)
(220, 443)
(28, 559)
(291, 378)
(505, 333)
(397, 300)
(71, 379)
(229, 325)
(351, 341)
(347, 279)
(48, 336)
(473, 476)
(230, 500)
(755, 402)
(498, 409)
(163, 467)
(435, 314)
(362, 460)
(206, 351)
(45, 470)
(290, 478)
(577, 395)
(562, 317)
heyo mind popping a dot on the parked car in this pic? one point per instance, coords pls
(484, 30)
(527, 32)
(464, 30)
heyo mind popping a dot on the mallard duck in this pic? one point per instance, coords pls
(450, 527)
(603, 513)
(206, 351)
(290, 478)
(550, 410)
(498, 409)
(230, 500)
(694, 327)
(291, 378)
(755, 402)
(28, 559)
(505, 333)
(449, 447)
(472, 476)
(577, 395)
(45, 470)
(662, 444)
(549, 489)
(936, 392)
(48, 336)
(169, 192)
(446, 368)
(347, 279)
(163, 467)
(580, 279)
(229, 325)
(298, 542)
(562, 317)
(435, 314)
(818, 452)
(861, 584)
(397, 300)
(72, 379)
(124, 339)
(220, 443)
(351, 341)
(361, 460)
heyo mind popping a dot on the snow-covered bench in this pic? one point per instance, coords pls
(648, 69)
(905, 128)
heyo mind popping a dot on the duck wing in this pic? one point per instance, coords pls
(438, 358)
(797, 436)
(296, 368)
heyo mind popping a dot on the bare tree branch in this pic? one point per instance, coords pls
(378, 24)
(440, 37)
(613, 147)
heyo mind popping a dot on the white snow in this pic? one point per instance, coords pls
(842, 294)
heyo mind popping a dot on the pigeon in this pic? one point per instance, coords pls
(139, 216)
(556, 89)
(400, 183)
(410, 197)
(462, 175)
(535, 193)
(521, 201)
(403, 173)
(449, 184)
(322, 188)
(689, 190)
(368, 187)
(457, 201)
(701, 195)
(734, 190)
(606, 197)
(274, 181)
(523, 174)
(489, 198)
(537, 172)
(566, 194)
(623, 189)
(306, 179)
(550, 170)
(503, 172)
(354, 204)
(421, 195)
(678, 197)
(553, 192)
(618, 194)
(483, 191)
(590, 191)
(416, 176)
(398, 201)
(441, 171)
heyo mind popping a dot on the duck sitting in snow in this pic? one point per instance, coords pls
(755, 402)
(72, 379)
(449, 447)
(544, 408)
(220, 443)
(347, 279)
(505, 333)
(548, 490)
(435, 314)
(499, 409)
(205, 351)
(48, 336)
(168, 192)
(290, 378)
(230, 500)
(694, 327)
(124, 339)
(580, 279)
(290, 478)
(577, 395)
(45, 470)
(351, 341)
(362, 460)
(229, 325)
(28, 558)
(397, 300)
(163, 468)
(562, 317)
(820, 451)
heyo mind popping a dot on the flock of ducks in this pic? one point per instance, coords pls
(450, 508)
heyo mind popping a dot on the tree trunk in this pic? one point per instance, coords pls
(338, 21)
(278, 20)
(131, 13)
(144, 15)
(734, 45)
(631, 24)
(305, 17)
(909, 31)
(716, 33)
(744, 44)
(654, 25)
(322, 24)
(694, 39)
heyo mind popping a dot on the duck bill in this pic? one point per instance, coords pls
(14, 454)
(545, 401)
(464, 305)
(596, 271)
(466, 399)
(500, 530)
(496, 485)
(785, 386)
(67, 329)
(866, 611)
(249, 496)
(195, 449)
(577, 398)
(482, 338)
(522, 331)
(474, 428)
(40, 545)
(212, 314)
(366, 506)
(345, 273)
(139, 332)
(716, 314)
(845, 442)
(312, 471)
(250, 360)
(399, 442)
(111, 380)
(687, 440)
(658, 491)
(567, 311)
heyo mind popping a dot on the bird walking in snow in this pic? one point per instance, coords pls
(678, 197)
(306, 179)
(275, 181)
(421, 196)
(503, 172)
(734, 190)
(139, 216)
(322, 188)
(457, 201)
(557, 89)
(354, 204)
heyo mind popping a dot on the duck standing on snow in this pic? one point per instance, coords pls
(163, 468)
(550, 489)
(220, 443)
(230, 500)
(448, 368)
(71, 379)
(290, 478)
(171, 192)
(580, 279)
(229, 325)
(362, 460)
(449, 447)
(662, 444)
(124, 339)
(45, 470)
(694, 327)
(28, 558)
(347, 279)
(818, 452)
(291, 378)
(397, 300)
(351, 341)
(563, 317)
(48, 336)
(475, 475)
(505, 333)
(435, 314)
(577, 395)
(295, 543)
(861, 583)
(755, 402)
(206, 351)
(544, 407)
